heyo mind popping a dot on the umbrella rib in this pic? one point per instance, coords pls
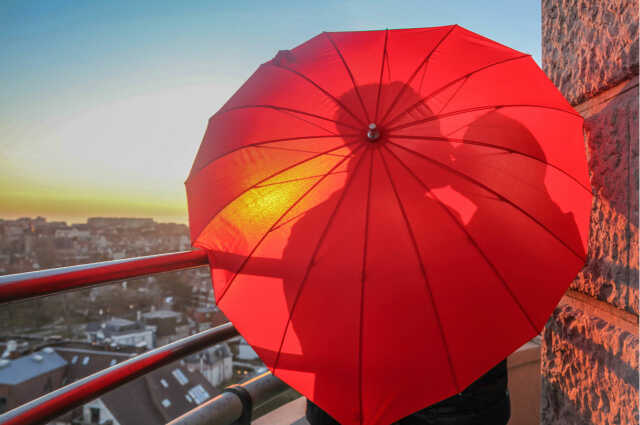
(453, 96)
(296, 150)
(286, 139)
(313, 257)
(286, 109)
(297, 201)
(490, 145)
(470, 239)
(253, 186)
(480, 108)
(449, 84)
(353, 81)
(362, 279)
(405, 85)
(310, 123)
(488, 189)
(325, 92)
(384, 57)
(423, 270)
(303, 178)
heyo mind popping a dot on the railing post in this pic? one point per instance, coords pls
(226, 408)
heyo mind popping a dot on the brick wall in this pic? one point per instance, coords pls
(590, 345)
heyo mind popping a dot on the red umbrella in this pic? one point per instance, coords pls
(391, 213)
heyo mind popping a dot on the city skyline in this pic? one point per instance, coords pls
(104, 105)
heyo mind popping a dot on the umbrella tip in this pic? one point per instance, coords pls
(373, 134)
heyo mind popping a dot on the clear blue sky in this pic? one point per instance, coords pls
(103, 104)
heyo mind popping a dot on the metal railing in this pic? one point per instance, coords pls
(63, 400)
(227, 407)
(41, 283)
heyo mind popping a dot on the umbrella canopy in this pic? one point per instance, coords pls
(389, 214)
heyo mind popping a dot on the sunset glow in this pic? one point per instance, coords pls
(104, 105)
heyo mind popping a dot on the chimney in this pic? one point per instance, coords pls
(12, 346)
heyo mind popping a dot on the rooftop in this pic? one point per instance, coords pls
(159, 396)
(115, 326)
(161, 314)
(13, 372)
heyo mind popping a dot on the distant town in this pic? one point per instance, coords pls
(50, 342)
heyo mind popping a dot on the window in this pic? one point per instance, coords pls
(199, 394)
(113, 362)
(164, 383)
(95, 415)
(48, 386)
(177, 373)
(166, 403)
(188, 397)
(74, 360)
(85, 360)
(3, 404)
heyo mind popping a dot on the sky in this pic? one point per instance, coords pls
(103, 104)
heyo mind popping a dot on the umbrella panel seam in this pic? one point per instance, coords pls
(362, 285)
(286, 109)
(297, 150)
(453, 96)
(384, 59)
(286, 139)
(291, 114)
(304, 178)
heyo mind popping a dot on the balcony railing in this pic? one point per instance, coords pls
(223, 409)
(40, 283)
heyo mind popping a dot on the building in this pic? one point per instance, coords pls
(214, 363)
(168, 325)
(208, 317)
(129, 223)
(590, 344)
(75, 232)
(25, 378)
(245, 352)
(84, 359)
(158, 397)
(121, 332)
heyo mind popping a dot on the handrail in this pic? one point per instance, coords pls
(226, 408)
(22, 286)
(60, 401)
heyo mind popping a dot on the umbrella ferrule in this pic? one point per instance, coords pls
(373, 134)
